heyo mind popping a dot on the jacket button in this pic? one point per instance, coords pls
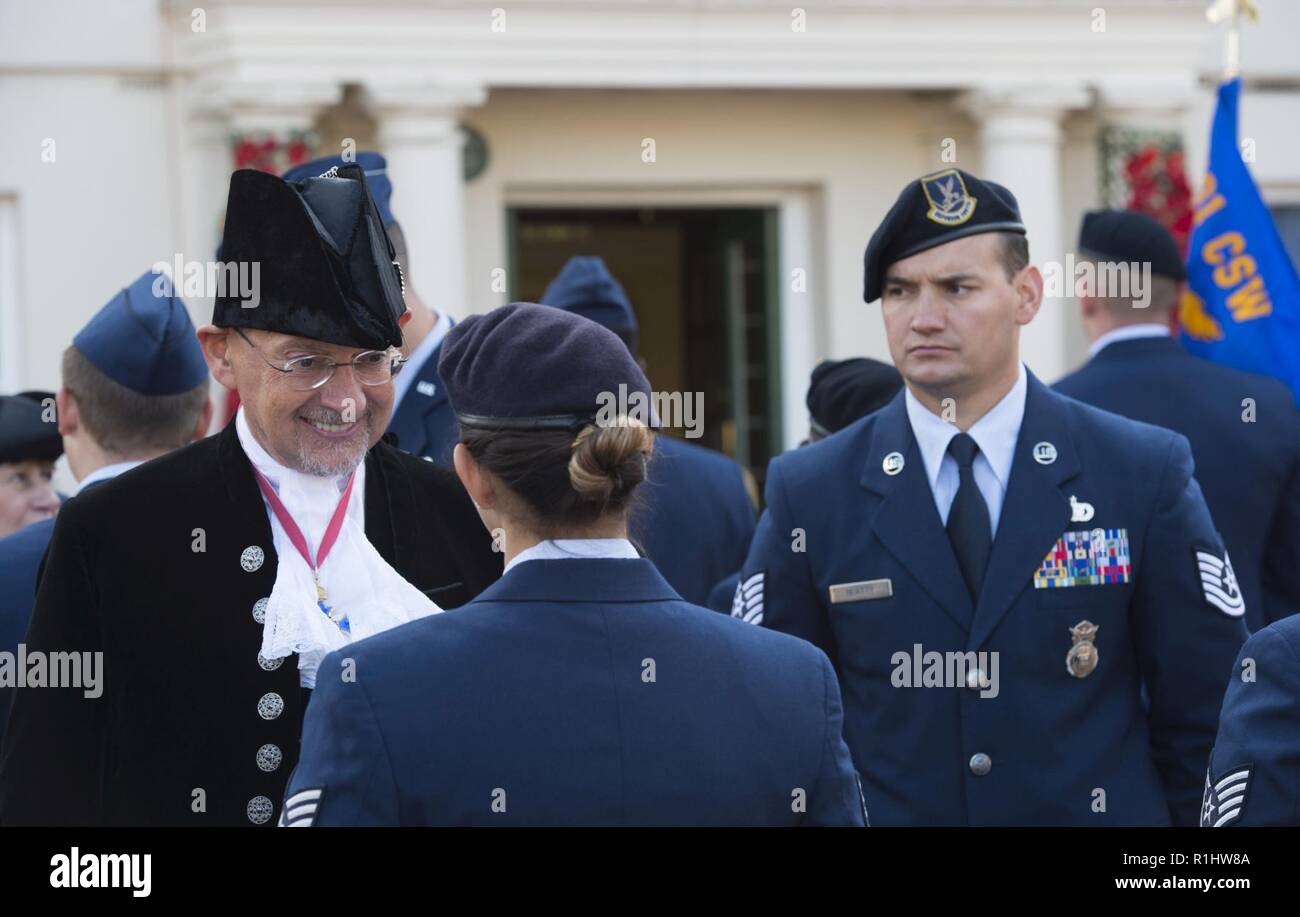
(251, 559)
(270, 706)
(269, 757)
(269, 665)
(980, 764)
(259, 609)
(260, 810)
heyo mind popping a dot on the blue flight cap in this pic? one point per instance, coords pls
(145, 340)
(586, 287)
(375, 167)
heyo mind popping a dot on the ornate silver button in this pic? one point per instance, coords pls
(269, 665)
(269, 757)
(252, 558)
(270, 706)
(260, 810)
(980, 764)
(259, 610)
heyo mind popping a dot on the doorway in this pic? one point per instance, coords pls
(703, 285)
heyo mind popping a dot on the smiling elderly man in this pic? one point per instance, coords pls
(290, 534)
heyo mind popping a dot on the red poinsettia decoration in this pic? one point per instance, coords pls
(269, 153)
(1158, 186)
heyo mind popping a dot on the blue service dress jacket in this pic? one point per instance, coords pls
(575, 692)
(995, 712)
(1254, 772)
(1244, 430)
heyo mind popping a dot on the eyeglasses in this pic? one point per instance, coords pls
(371, 367)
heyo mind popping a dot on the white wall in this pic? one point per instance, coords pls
(84, 76)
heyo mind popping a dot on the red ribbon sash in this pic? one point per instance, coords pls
(291, 528)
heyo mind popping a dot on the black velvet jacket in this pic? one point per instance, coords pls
(193, 727)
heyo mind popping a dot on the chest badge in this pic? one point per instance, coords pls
(424, 387)
(1080, 511)
(1083, 656)
(1044, 453)
(893, 463)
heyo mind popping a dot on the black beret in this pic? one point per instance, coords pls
(530, 367)
(842, 391)
(931, 211)
(1127, 235)
(25, 434)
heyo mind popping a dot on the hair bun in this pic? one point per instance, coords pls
(608, 462)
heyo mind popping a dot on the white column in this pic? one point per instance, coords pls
(421, 139)
(1020, 144)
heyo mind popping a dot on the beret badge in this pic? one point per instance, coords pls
(950, 202)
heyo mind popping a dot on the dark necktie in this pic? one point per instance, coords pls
(969, 528)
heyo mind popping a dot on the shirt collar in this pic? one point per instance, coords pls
(419, 356)
(278, 474)
(104, 473)
(1128, 333)
(995, 433)
(576, 549)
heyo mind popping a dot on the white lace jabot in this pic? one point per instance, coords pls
(359, 582)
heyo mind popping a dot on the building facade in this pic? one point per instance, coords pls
(728, 159)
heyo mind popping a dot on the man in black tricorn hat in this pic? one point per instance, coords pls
(211, 582)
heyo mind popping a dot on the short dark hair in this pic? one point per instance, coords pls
(563, 479)
(1015, 253)
(124, 421)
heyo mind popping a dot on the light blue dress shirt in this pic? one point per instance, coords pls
(995, 433)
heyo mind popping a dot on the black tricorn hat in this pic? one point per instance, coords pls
(327, 270)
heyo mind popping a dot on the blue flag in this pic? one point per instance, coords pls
(1242, 304)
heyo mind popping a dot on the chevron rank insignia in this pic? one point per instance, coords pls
(300, 809)
(748, 601)
(1089, 557)
(1219, 583)
(1225, 796)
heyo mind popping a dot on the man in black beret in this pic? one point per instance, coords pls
(1243, 428)
(982, 525)
(214, 579)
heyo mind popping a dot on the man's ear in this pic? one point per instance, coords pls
(1029, 294)
(215, 343)
(65, 406)
(475, 479)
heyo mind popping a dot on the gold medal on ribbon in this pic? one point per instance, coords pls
(1083, 655)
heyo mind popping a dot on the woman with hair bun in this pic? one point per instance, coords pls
(579, 689)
